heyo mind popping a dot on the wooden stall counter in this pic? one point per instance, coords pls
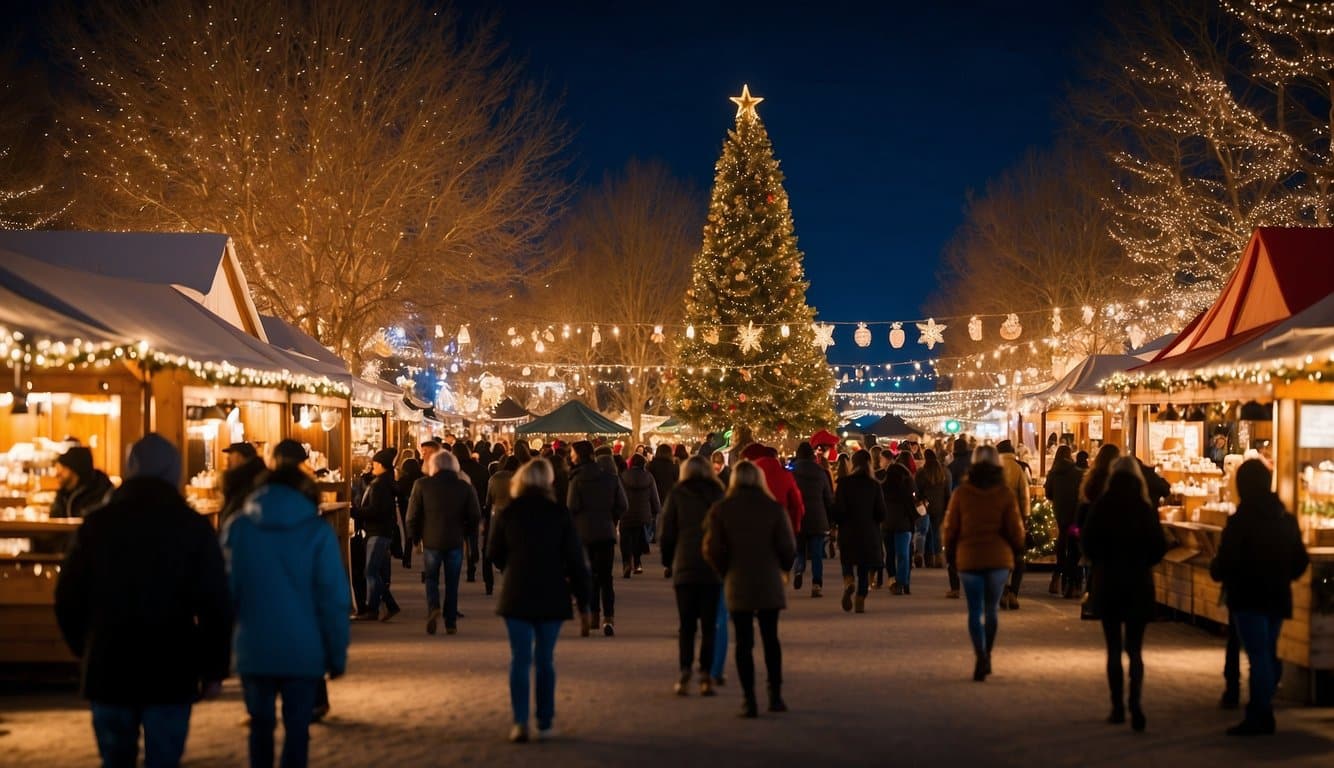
(30, 556)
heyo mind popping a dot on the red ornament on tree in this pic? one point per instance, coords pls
(768, 198)
(742, 397)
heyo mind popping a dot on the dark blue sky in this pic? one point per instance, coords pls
(883, 115)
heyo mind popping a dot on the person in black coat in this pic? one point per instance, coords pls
(664, 470)
(244, 468)
(409, 472)
(642, 508)
(900, 517)
(142, 601)
(441, 512)
(817, 495)
(1259, 556)
(859, 509)
(1062, 489)
(596, 500)
(82, 487)
(475, 473)
(378, 515)
(681, 537)
(534, 542)
(1123, 539)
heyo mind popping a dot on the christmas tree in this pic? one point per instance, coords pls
(750, 355)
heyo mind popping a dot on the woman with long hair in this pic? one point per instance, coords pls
(983, 533)
(1091, 489)
(933, 487)
(534, 543)
(900, 519)
(749, 542)
(859, 508)
(1123, 540)
(681, 537)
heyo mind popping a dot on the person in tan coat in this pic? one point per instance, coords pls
(748, 540)
(983, 534)
(1016, 480)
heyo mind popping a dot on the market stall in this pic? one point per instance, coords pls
(1077, 411)
(573, 419)
(1256, 370)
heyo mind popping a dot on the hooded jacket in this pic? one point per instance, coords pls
(817, 496)
(1260, 555)
(641, 495)
(681, 530)
(443, 508)
(597, 502)
(142, 599)
(288, 586)
(983, 530)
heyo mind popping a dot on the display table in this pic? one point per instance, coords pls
(28, 630)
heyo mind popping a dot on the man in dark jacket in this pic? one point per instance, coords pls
(963, 459)
(244, 467)
(471, 470)
(142, 600)
(1259, 556)
(817, 496)
(596, 501)
(377, 515)
(1062, 489)
(642, 510)
(443, 508)
(664, 470)
(82, 488)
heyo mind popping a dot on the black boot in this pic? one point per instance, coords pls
(776, 703)
(991, 643)
(980, 668)
(1137, 719)
(749, 709)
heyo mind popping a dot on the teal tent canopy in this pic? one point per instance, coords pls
(573, 418)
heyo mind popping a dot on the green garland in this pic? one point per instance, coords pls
(1042, 524)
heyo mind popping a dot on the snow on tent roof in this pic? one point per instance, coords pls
(169, 258)
(1282, 272)
(136, 311)
(573, 418)
(1084, 380)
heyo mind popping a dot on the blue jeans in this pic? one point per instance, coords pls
(165, 727)
(452, 561)
(299, 694)
(533, 642)
(933, 541)
(920, 535)
(1259, 636)
(983, 590)
(812, 545)
(720, 637)
(377, 573)
(902, 563)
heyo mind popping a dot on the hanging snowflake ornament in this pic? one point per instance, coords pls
(1056, 320)
(896, 335)
(975, 328)
(932, 333)
(748, 338)
(711, 336)
(1011, 328)
(824, 335)
(1087, 316)
(862, 335)
(658, 336)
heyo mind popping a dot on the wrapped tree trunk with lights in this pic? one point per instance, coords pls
(750, 354)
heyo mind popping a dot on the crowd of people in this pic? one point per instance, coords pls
(268, 597)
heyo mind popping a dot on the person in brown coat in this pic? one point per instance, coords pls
(749, 542)
(983, 533)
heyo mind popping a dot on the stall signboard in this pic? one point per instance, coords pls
(1182, 437)
(1317, 427)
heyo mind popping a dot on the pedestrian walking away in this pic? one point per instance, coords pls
(983, 536)
(1123, 540)
(681, 538)
(749, 542)
(597, 501)
(641, 511)
(859, 510)
(535, 545)
(441, 512)
(378, 517)
(817, 497)
(1017, 480)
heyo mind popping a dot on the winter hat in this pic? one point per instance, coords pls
(244, 450)
(154, 456)
(385, 458)
(289, 452)
(1005, 446)
(78, 460)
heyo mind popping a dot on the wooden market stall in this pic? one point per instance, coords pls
(1260, 362)
(1077, 411)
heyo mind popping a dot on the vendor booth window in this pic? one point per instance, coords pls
(212, 426)
(367, 436)
(1315, 463)
(320, 430)
(43, 425)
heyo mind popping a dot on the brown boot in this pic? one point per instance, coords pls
(849, 586)
(816, 591)
(859, 604)
(1055, 587)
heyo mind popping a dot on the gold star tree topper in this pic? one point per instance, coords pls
(745, 103)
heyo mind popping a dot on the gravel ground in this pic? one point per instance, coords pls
(892, 686)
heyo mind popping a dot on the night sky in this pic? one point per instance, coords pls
(883, 115)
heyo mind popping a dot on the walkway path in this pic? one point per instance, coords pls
(891, 687)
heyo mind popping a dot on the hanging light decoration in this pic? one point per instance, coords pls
(464, 336)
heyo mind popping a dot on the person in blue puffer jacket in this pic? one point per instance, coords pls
(290, 594)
